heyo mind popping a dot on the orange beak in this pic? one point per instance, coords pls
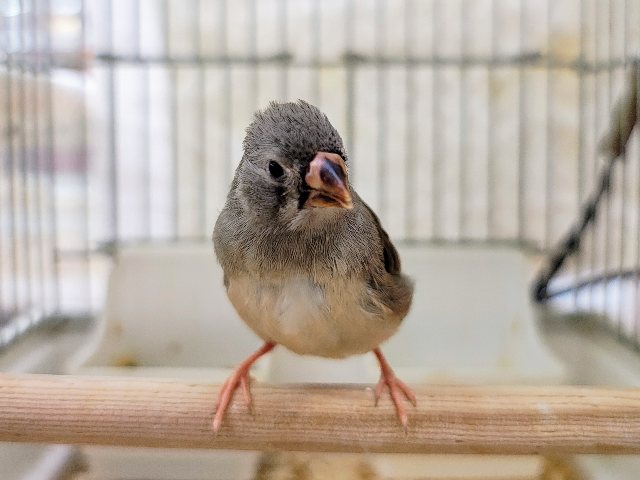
(327, 178)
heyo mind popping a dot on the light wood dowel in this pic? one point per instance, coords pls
(178, 413)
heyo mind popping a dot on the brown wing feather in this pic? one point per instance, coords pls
(390, 254)
(393, 290)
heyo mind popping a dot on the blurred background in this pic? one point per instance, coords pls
(494, 138)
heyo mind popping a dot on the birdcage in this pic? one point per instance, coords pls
(479, 124)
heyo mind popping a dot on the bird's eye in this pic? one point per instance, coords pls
(275, 169)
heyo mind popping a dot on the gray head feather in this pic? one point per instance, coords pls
(297, 130)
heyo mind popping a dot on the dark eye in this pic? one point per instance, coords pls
(275, 169)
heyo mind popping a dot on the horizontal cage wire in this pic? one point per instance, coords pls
(465, 121)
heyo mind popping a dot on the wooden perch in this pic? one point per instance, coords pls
(177, 413)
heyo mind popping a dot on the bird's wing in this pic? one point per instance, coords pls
(392, 290)
(391, 257)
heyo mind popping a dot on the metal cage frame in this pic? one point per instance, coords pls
(46, 274)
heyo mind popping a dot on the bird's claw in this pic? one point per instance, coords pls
(239, 378)
(397, 389)
(245, 383)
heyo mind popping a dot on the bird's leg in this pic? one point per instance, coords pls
(397, 388)
(239, 377)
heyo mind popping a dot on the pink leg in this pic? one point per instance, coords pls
(396, 387)
(239, 377)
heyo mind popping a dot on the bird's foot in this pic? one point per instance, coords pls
(239, 378)
(397, 389)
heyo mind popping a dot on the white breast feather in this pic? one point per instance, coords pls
(306, 318)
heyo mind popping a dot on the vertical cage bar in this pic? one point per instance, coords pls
(462, 150)
(381, 90)
(490, 127)
(607, 194)
(112, 115)
(173, 117)
(435, 135)
(410, 122)
(145, 137)
(349, 28)
(51, 161)
(84, 153)
(316, 18)
(594, 225)
(623, 194)
(10, 179)
(284, 36)
(522, 125)
(29, 166)
(227, 88)
(13, 204)
(253, 53)
(549, 137)
(23, 157)
(579, 256)
(16, 165)
(37, 164)
(202, 121)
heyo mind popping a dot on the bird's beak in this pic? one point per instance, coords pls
(327, 177)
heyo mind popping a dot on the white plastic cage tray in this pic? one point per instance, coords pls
(167, 315)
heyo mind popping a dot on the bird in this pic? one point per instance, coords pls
(306, 262)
